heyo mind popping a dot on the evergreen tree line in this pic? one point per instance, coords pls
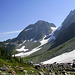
(8, 56)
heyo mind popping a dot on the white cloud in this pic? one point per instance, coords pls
(11, 32)
(9, 35)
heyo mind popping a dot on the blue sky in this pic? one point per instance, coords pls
(15, 15)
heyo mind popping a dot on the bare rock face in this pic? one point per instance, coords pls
(69, 19)
(66, 31)
(35, 31)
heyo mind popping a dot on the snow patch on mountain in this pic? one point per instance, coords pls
(44, 41)
(63, 58)
(22, 49)
(22, 43)
(32, 39)
(52, 37)
(35, 40)
(29, 29)
(53, 28)
(23, 54)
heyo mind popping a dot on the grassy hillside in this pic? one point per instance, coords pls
(66, 47)
(18, 70)
(16, 63)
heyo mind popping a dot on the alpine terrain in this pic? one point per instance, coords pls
(62, 40)
(32, 38)
(41, 49)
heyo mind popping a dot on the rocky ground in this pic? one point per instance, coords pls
(40, 69)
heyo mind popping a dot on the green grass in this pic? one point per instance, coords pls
(29, 68)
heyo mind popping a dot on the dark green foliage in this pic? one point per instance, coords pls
(8, 57)
(4, 54)
(8, 47)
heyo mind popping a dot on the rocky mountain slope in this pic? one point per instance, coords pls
(65, 35)
(35, 32)
(32, 38)
(63, 41)
(66, 31)
(42, 41)
(63, 48)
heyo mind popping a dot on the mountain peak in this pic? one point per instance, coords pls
(73, 11)
(69, 19)
(35, 31)
(42, 22)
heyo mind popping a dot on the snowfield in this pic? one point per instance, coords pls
(22, 43)
(23, 54)
(52, 34)
(63, 58)
(31, 39)
(22, 49)
(53, 28)
(29, 29)
(52, 37)
(43, 41)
